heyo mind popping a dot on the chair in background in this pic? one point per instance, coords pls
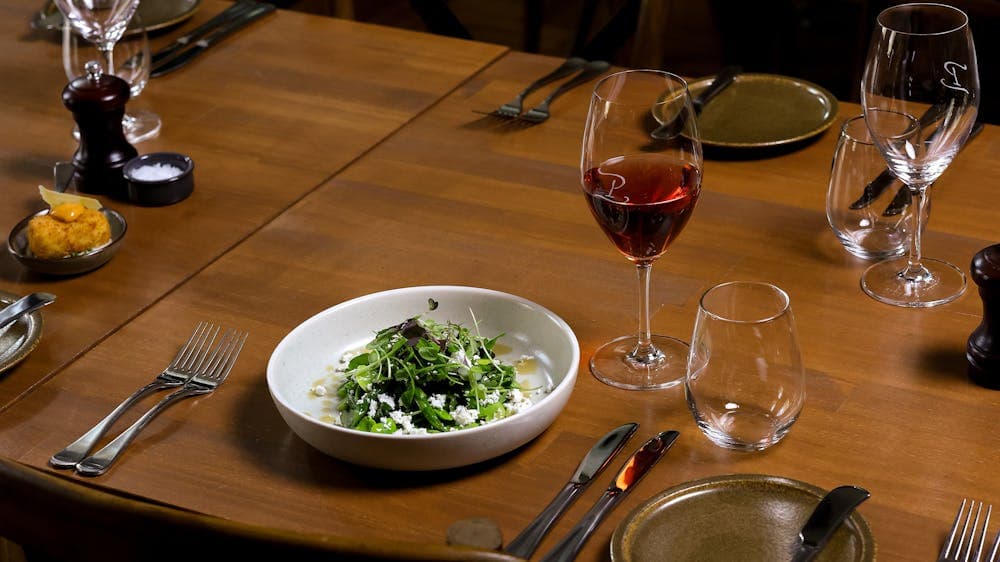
(57, 518)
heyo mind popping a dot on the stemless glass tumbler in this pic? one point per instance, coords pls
(745, 382)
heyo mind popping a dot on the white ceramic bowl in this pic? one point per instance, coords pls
(306, 353)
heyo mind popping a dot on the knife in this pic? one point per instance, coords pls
(630, 474)
(237, 9)
(903, 197)
(877, 186)
(597, 459)
(182, 57)
(673, 127)
(832, 510)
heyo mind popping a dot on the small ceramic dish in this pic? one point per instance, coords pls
(17, 245)
(159, 178)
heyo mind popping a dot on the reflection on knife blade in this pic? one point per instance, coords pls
(630, 474)
(597, 458)
(230, 13)
(181, 57)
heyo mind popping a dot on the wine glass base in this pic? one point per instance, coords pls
(941, 284)
(141, 125)
(612, 365)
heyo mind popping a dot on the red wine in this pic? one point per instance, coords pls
(642, 202)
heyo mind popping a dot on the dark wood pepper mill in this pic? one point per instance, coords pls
(97, 101)
(983, 350)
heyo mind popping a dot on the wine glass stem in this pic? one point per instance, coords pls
(645, 351)
(107, 53)
(915, 271)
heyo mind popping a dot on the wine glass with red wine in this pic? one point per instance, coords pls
(641, 174)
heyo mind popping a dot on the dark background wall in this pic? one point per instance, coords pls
(823, 41)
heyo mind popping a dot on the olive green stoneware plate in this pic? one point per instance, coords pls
(21, 337)
(155, 14)
(746, 517)
(764, 110)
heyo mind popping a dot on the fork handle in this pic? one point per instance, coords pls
(77, 450)
(571, 65)
(592, 69)
(101, 461)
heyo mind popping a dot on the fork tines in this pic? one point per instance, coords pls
(967, 545)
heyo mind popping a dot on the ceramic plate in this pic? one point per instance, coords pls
(747, 517)
(155, 14)
(21, 337)
(306, 354)
(764, 110)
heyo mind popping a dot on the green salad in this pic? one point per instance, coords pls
(422, 376)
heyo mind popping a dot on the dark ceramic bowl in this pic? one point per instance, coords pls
(17, 244)
(161, 191)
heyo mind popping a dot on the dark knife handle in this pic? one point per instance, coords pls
(181, 58)
(877, 186)
(722, 80)
(903, 197)
(229, 13)
(524, 545)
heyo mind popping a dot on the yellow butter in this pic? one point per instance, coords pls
(55, 198)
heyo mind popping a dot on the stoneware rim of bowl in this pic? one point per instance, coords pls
(432, 451)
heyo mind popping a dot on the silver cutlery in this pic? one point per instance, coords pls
(965, 541)
(593, 463)
(541, 112)
(25, 305)
(831, 511)
(181, 57)
(630, 474)
(673, 127)
(189, 360)
(514, 107)
(206, 379)
(233, 11)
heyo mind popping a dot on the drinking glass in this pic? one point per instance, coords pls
(862, 203)
(745, 382)
(102, 22)
(133, 55)
(920, 96)
(641, 176)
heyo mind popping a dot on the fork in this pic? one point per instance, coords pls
(183, 367)
(206, 379)
(514, 107)
(969, 533)
(541, 112)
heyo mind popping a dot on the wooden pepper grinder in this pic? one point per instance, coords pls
(983, 350)
(97, 101)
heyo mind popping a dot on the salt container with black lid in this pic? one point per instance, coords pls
(97, 101)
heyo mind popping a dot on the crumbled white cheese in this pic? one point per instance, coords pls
(388, 400)
(491, 398)
(465, 416)
(319, 390)
(517, 402)
(437, 400)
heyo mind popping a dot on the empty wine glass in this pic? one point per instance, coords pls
(102, 22)
(133, 57)
(920, 96)
(641, 174)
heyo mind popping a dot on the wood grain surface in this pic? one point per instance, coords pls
(266, 115)
(454, 199)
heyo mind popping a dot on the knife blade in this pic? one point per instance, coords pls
(593, 463)
(903, 196)
(630, 474)
(184, 56)
(877, 186)
(831, 511)
(237, 9)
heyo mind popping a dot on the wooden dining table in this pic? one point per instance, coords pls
(336, 159)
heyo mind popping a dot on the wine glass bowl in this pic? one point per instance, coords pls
(102, 22)
(920, 97)
(134, 60)
(641, 177)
